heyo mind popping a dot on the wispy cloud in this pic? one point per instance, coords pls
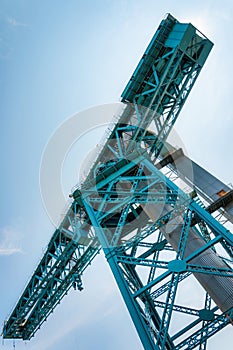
(9, 241)
(9, 250)
(14, 23)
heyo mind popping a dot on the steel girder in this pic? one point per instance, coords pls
(68, 254)
(154, 96)
(133, 258)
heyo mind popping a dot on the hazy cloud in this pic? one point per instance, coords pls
(9, 241)
(14, 23)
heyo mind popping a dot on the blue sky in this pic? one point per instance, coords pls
(58, 58)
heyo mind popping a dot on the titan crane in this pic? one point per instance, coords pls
(158, 239)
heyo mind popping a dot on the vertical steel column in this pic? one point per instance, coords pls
(110, 255)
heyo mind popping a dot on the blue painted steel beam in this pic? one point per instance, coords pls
(210, 329)
(62, 265)
(139, 322)
(155, 95)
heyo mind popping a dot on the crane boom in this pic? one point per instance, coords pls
(153, 98)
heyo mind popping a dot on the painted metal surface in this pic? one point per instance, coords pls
(68, 254)
(143, 250)
(126, 205)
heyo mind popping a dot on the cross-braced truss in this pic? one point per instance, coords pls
(171, 258)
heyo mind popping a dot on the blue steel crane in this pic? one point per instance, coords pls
(157, 238)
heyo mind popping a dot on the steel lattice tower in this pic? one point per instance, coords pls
(157, 238)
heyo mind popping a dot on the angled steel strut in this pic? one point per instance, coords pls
(159, 240)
